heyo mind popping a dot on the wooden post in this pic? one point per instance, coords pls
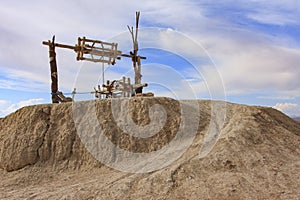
(134, 55)
(53, 70)
(128, 88)
(136, 48)
(124, 86)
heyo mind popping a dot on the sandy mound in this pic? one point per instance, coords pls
(42, 155)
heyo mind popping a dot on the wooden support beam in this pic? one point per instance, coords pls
(131, 56)
(53, 71)
(105, 52)
(96, 41)
(134, 54)
(48, 43)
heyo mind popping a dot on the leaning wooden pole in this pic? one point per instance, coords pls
(53, 70)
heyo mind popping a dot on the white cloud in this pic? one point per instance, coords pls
(24, 57)
(2, 102)
(3, 106)
(275, 12)
(249, 61)
(273, 18)
(290, 109)
(7, 107)
(272, 97)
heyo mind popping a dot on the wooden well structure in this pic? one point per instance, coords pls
(101, 52)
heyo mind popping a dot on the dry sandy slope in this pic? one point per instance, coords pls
(256, 157)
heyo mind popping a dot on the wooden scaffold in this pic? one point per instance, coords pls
(105, 53)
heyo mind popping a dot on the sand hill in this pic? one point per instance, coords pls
(42, 156)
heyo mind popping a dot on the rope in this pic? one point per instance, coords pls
(103, 73)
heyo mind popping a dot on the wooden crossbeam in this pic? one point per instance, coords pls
(75, 48)
(106, 52)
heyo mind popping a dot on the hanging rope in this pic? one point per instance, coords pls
(102, 73)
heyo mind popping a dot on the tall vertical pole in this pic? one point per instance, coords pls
(53, 70)
(135, 51)
(135, 57)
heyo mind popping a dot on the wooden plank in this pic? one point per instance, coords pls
(98, 41)
(103, 49)
(105, 54)
(95, 60)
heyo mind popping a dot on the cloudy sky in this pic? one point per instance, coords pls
(246, 51)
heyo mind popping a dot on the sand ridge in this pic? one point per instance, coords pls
(256, 157)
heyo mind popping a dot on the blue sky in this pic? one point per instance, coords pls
(254, 46)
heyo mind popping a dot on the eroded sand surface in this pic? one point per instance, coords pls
(257, 155)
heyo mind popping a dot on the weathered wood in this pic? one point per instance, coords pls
(99, 51)
(131, 56)
(53, 71)
(79, 46)
(48, 43)
(107, 51)
(128, 88)
(87, 49)
(118, 88)
(124, 86)
(138, 71)
(63, 98)
(96, 60)
(96, 41)
(134, 54)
